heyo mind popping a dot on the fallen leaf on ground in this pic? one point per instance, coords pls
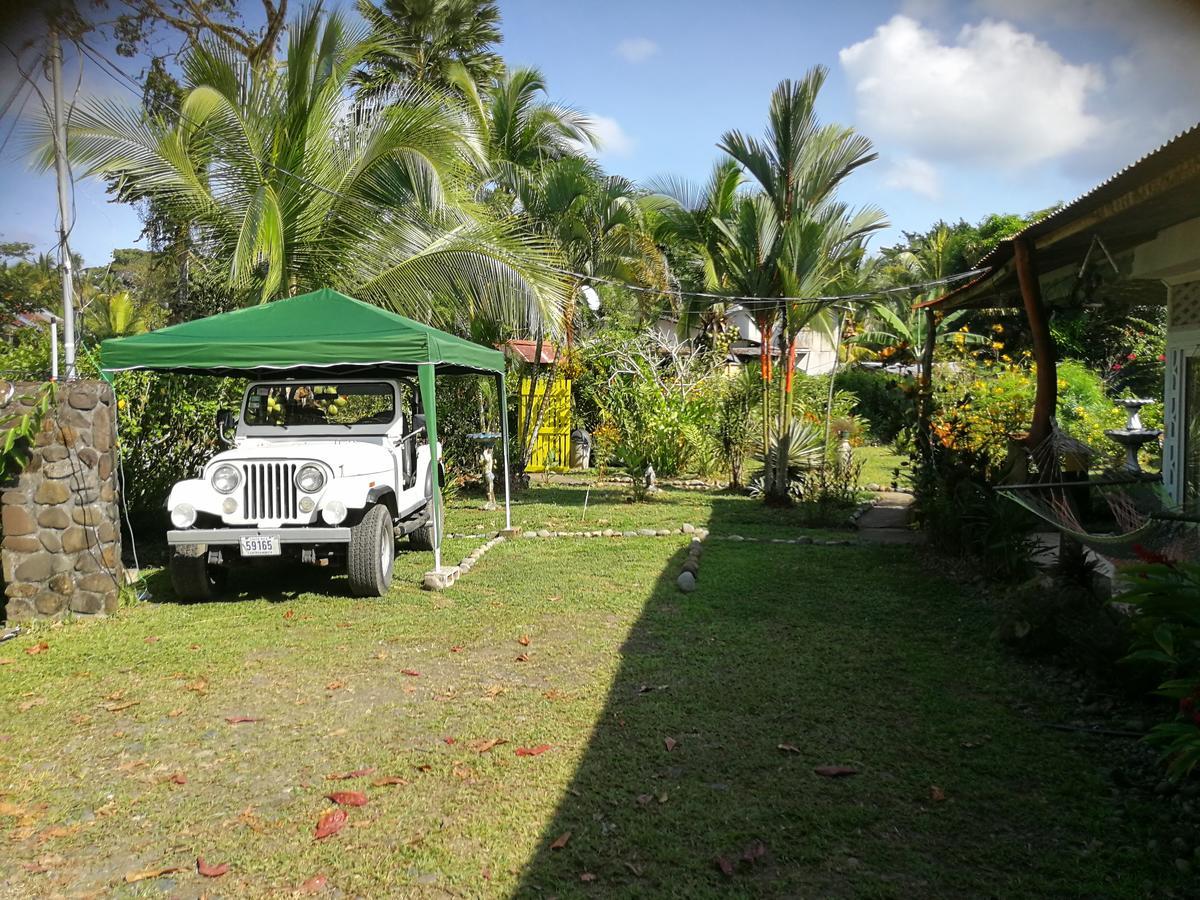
(523, 640)
(175, 713)
(670, 744)
(533, 751)
(482, 746)
(553, 694)
(193, 646)
(30, 704)
(144, 874)
(40, 647)
(347, 798)
(524, 657)
(556, 598)
(289, 614)
(43, 864)
(388, 780)
(240, 720)
(6, 661)
(152, 639)
(789, 748)
(314, 885)
(345, 776)
(494, 690)
(587, 876)
(382, 654)
(115, 695)
(199, 686)
(208, 870)
(335, 685)
(936, 794)
(117, 707)
(58, 831)
(725, 866)
(756, 850)
(413, 673)
(456, 649)
(449, 741)
(561, 841)
(178, 778)
(462, 772)
(835, 771)
(424, 767)
(330, 823)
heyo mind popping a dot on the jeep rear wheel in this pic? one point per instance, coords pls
(371, 554)
(193, 579)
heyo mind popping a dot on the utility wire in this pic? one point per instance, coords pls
(117, 74)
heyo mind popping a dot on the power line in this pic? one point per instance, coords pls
(115, 72)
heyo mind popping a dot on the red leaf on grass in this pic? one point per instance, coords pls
(346, 776)
(835, 771)
(314, 885)
(331, 822)
(533, 751)
(347, 798)
(178, 778)
(410, 672)
(240, 720)
(456, 649)
(561, 841)
(210, 871)
(725, 866)
(449, 741)
(670, 744)
(41, 647)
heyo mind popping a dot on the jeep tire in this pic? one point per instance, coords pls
(423, 538)
(193, 579)
(372, 553)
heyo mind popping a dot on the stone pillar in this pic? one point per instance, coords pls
(61, 550)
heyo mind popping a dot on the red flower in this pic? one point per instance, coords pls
(1117, 367)
(1131, 357)
(1162, 357)
(1152, 557)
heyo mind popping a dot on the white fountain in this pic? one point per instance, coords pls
(1134, 434)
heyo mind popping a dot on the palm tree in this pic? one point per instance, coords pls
(116, 315)
(445, 44)
(793, 239)
(286, 190)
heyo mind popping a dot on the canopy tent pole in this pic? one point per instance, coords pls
(425, 378)
(504, 443)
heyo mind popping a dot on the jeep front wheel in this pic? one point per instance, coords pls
(193, 579)
(371, 554)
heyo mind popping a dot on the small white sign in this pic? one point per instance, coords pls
(259, 545)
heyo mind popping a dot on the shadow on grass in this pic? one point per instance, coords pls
(274, 583)
(787, 658)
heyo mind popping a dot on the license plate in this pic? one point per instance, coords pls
(259, 545)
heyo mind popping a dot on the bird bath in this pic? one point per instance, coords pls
(1134, 434)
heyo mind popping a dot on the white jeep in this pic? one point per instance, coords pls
(321, 471)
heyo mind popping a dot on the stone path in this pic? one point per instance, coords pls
(889, 521)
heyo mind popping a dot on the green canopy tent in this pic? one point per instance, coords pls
(322, 332)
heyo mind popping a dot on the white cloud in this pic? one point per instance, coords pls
(913, 174)
(637, 49)
(611, 137)
(995, 96)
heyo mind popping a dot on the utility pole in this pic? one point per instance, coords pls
(64, 206)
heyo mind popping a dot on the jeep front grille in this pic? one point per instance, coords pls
(269, 491)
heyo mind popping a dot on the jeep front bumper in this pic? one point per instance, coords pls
(223, 536)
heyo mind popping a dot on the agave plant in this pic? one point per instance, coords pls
(790, 450)
(288, 185)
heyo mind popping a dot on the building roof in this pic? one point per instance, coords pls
(1127, 209)
(527, 349)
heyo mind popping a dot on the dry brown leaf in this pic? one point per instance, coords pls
(115, 695)
(30, 704)
(483, 746)
(462, 772)
(117, 707)
(152, 639)
(208, 870)
(554, 694)
(40, 647)
(314, 885)
(670, 743)
(523, 640)
(175, 713)
(411, 673)
(199, 686)
(6, 660)
(335, 685)
(523, 657)
(144, 874)
(241, 720)
(389, 780)
(494, 690)
(561, 841)
(936, 794)
(178, 778)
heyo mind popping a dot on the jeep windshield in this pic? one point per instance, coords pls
(319, 406)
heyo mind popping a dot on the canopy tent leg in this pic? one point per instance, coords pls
(501, 387)
(425, 379)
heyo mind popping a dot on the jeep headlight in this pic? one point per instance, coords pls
(310, 479)
(225, 478)
(183, 515)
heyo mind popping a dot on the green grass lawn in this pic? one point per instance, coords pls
(879, 465)
(681, 729)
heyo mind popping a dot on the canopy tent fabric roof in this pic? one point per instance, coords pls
(323, 330)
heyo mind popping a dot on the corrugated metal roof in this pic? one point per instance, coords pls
(1121, 227)
(527, 349)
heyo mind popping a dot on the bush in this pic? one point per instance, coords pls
(881, 400)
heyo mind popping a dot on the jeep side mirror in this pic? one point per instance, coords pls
(226, 423)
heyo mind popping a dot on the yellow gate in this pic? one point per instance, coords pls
(552, 451)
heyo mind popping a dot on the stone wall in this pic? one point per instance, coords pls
(61, 550)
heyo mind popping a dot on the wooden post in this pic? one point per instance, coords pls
(925, 387)
(1044, 356)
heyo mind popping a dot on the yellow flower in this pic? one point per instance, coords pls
(999, 329)
(996, 345)
(963, 329)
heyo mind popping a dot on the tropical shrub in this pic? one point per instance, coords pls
(734, 420)
(1165, 597)
(881, 399)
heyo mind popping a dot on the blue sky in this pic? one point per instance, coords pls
(975, 106)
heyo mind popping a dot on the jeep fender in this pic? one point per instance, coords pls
(199, 493)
